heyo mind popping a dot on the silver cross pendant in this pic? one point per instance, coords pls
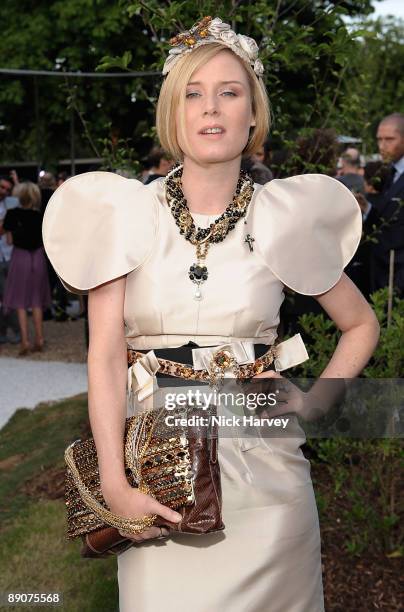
(249, 240)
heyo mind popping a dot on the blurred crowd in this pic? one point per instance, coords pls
(29, 284)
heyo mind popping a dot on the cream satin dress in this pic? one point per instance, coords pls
(99, 226)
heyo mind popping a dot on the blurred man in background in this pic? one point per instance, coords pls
(390, 140)
(350, 171)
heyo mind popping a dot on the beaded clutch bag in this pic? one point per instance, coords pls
(180, 471)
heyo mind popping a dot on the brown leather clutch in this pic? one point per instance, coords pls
(180, 468)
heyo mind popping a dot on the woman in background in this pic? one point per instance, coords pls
(27, 283)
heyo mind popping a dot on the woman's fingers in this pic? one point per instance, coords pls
(148, 534)
(154, 507)
(282, 389)
(268, 374)
(289, 398)
(145, 505)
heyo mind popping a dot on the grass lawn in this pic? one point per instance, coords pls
(34, 553)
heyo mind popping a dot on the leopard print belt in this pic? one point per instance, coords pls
(222, 360)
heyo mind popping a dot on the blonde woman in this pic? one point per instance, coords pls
(164, 278)
(27, 284)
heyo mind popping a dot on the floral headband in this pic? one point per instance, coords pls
(213, 31)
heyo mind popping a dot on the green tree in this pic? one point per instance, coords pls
(374, 84)
(312, 58)
(70, 35)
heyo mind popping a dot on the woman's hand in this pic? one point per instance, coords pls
(131, 503)
(291, 399)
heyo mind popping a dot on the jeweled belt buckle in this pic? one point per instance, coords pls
(221, 361)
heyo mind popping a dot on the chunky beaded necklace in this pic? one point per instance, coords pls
(217, 231)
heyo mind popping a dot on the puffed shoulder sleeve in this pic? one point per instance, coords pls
(307, 228)
(98, 226)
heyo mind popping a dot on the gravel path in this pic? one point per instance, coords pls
(63, 342)
(58, 372)
(25, 383)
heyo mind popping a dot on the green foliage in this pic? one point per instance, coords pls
(73, 35)
(321, 336)
(119, 157)
(365, 475)
(388, 359)
(115, 62)
(365, 490)
(319, 72)
(376, 88)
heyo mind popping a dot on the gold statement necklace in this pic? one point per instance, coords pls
(217, 231)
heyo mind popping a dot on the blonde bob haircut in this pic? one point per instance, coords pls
(29, 195)
(172, 98)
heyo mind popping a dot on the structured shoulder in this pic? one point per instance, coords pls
(98, 226)
(307, 228)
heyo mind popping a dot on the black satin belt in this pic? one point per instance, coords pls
(183, 354)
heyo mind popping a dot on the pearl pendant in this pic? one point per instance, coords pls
(198, 294)
(198, 273)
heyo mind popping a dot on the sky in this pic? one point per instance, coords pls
(389, 7)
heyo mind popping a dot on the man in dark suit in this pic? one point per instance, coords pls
(376, 177)
(390, 207)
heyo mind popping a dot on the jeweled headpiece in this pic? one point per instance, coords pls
(208, 31)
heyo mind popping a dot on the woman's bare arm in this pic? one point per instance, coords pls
(107, 376)
(107, 382)
(354, 317)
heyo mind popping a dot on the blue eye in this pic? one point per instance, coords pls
(231, 93)
(192, 94)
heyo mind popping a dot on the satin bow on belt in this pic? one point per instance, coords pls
(141, 375)
(289, 353)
